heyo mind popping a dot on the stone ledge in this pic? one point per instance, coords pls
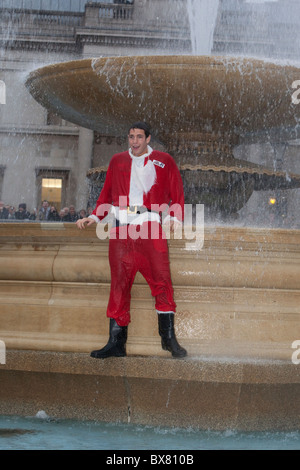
(203, 393)
(201, 368)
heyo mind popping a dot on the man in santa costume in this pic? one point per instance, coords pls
(140, 184)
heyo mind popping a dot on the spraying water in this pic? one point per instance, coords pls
(202, 17)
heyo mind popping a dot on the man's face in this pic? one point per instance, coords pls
(138, 142)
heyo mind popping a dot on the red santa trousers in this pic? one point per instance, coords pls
(149, 255)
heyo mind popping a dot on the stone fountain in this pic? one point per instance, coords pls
(237, 298)
(199, 108)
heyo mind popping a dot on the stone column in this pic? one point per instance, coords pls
(85, 153)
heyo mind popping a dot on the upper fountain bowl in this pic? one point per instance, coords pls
(176, 94)
(198, 106)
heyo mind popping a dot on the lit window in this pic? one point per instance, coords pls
(52, 190)
(52, 183)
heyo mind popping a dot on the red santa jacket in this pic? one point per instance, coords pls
(168, 188)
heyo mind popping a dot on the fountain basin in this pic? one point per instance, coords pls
(201, 393)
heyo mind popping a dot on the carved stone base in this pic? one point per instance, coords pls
(242, 287)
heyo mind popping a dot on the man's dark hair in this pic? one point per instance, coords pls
(141, 125)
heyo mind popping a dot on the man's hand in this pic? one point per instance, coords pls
(174, 225)
(86, 221)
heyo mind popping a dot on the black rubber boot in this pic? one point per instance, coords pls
(167, 333)
(116, 345)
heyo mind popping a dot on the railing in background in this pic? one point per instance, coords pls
(27, 21)
(115, 11)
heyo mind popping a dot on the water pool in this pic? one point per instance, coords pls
(34, 433)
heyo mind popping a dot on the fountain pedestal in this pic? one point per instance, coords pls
(237, 315)
(242, 288)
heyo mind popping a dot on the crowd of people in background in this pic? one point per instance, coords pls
(46, 213)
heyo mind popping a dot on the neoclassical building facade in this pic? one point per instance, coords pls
(44, 157)
(37, 146)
